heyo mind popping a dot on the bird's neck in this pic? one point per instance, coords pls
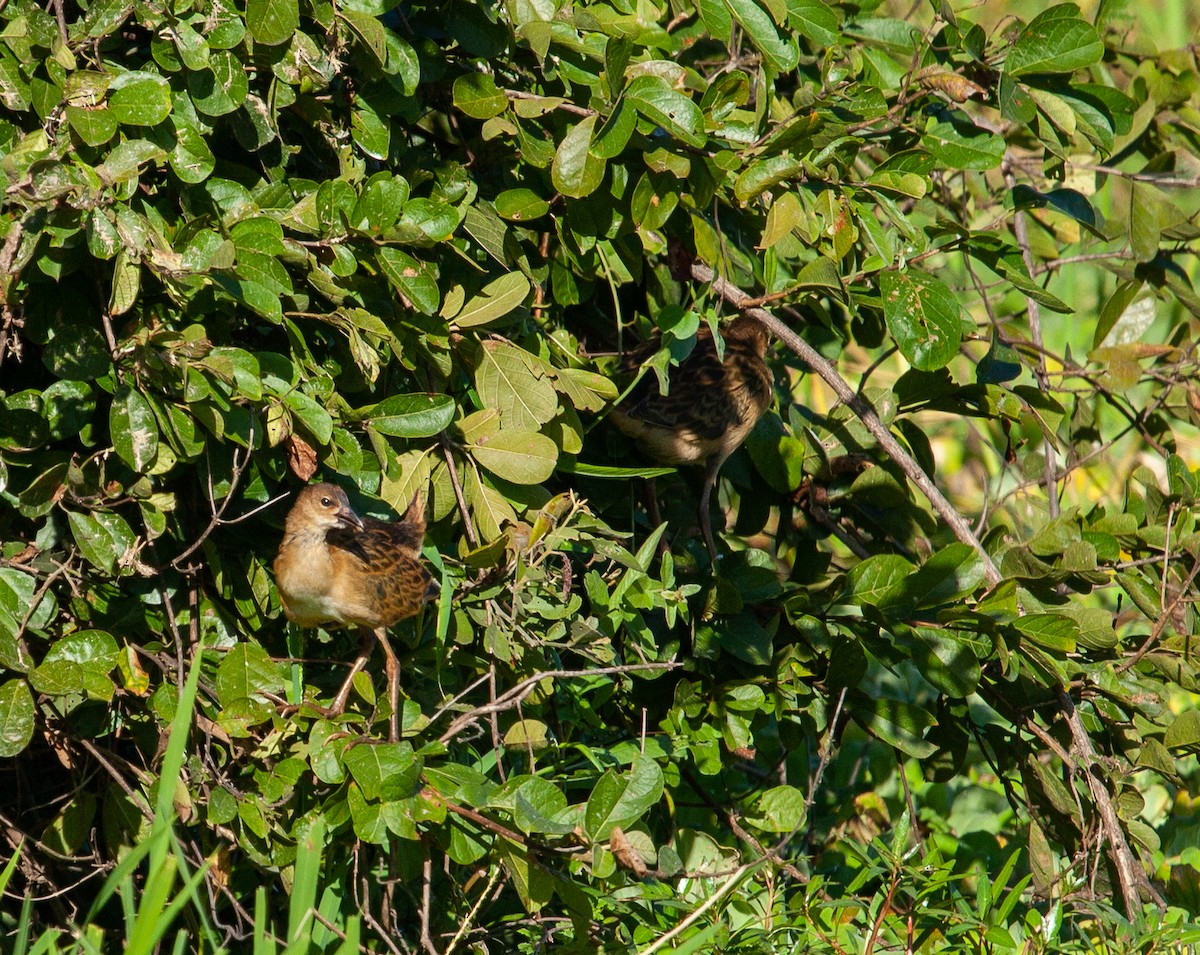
(309, 549)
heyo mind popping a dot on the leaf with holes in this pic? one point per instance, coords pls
(923, 316)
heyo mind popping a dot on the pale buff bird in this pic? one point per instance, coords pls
(336, 569)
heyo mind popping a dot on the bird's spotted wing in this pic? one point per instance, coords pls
(381, 565)
(697, 400)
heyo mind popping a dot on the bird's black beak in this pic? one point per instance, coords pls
(347, 518)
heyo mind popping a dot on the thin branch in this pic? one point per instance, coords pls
(515, 695)
(861, 408)
(1163, 619)
(468, 527)
(427, 901)
(564, 106)
(469, 921)
(731, 820)
(240, 463)
(728, 886)
(1033, 309)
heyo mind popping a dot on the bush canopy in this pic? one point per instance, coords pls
(938, 691)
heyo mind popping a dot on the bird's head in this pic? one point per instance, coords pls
(323, 506)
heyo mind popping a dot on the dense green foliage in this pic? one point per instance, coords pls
(397, 246)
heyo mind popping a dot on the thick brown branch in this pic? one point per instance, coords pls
(1130, 875)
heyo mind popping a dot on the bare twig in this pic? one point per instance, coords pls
(427, 901)
(861, 408)
(469, 921)
(563, 105)
(814, 780)
(730, 883)
(731, 820)
(452, 469)
(241, 460)
(1163, 618)
(1021, 233)
(513, 696)
(135, 797)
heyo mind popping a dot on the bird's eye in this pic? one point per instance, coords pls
(326, 502)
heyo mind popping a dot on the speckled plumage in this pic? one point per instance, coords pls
(335, 569)
(710, 408)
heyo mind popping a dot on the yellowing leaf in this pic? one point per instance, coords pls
(522, 457)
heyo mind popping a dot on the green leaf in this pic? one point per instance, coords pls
(127, 271)
(521, 457)
(433, 221)
(954, 141)
(575, 171)
(778, 809)
(191, 159)
(1183, 732)
(245, 671)
(221, 88)
(370, 32)
(923, 316)
(78, 661)
(947, 661)
(616, 132)
(311, 414)
(384, 772)
(1053, 631)
(495, 300)
(620, 799)
(765, 174)
(1114, 310)
(745, 638)
(536, 804)
(521, 205)
(508, 380)
(103, 537)
(95, 126)
(126, 160)
(1000, 364)
(272, 22)
(1055, 41)
(813, 19)
(412, 416)
(715, 16)
(477, 96)
(255, 296)
(372, 133)
(22, 602)
(568, 466)
(134, 429)
(411, 277)
(781, 52)
(896, 723)
(677, 114)
(16, 717)
(879, 581)
(139, 99)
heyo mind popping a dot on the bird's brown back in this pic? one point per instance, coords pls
(711, 405)
(380, 571)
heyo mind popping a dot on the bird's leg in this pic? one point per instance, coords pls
(655, 515)
(710, 479)
(364, 653)
(393, 675)
(652, 510)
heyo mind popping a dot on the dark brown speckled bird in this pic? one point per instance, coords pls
(711, 405)
(336, 569)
